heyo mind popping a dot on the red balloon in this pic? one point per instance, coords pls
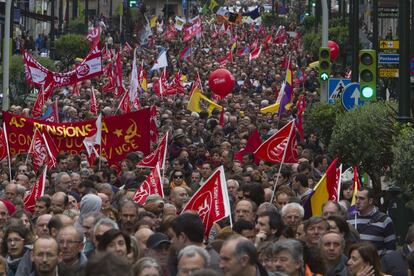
(221, 82)
(334, 49)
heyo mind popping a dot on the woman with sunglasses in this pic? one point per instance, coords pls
(177, 179)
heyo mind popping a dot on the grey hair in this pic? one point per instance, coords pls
(293, 247)
(59, 176)
(192, 250)
(293, 205)
(235, 182)
(145, 262)
(105, 221)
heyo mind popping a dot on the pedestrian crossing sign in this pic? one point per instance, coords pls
(336, 88)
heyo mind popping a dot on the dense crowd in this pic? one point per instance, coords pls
(87, 222)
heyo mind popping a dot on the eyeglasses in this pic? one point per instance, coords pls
(14, 240)
(178, 176)
(62, 242)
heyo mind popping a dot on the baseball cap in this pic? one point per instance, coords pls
(156, 239)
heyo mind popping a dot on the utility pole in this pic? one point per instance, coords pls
(86, 12)
(404, 114)
(6, 54)
(325, 24)
(355, 41)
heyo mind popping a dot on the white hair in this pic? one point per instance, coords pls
(293, 205)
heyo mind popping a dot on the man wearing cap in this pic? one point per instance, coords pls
(158, 245)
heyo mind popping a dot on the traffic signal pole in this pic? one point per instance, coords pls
(404, 114)
(325, 22)
(6, 54)
(355, 40)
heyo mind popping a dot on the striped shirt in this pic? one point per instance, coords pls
(376, 227)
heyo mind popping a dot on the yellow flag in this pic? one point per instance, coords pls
(273, 108)
(144, 84)
(153, 21)
(198, 102)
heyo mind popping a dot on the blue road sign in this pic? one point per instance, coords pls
(351, 96)
(336, 88)
(388, 58)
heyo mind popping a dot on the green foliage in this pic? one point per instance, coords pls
(69, 47)
(321, 119)
(308, 23)
(77, 26)
(403, 151)
(364, 137)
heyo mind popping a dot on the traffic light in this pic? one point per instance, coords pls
(368, 74)
(324, 63)
(132, 3)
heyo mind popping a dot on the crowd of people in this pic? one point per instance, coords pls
(87, 222)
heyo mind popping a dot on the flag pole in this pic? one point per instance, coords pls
(283, 161)
(7, 148)
(100, 146)
(31, 144)
(121, 102)
(339, 183)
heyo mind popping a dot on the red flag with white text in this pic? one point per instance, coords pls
(3, 143)
(93, 103)
(211, 201)
(152, 185)
(158, 156)
(94, 37)
(38, 190)
(280, 147)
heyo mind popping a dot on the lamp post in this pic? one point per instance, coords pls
(6, 55)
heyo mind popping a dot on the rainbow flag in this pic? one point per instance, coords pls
(326, 189)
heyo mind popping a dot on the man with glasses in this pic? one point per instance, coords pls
(373, 225)
(45, 257)
(70, 242)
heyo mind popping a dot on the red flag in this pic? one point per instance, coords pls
(227, 58)
(175, 87)
(221, 120)
(37, 191)
(300, 105)
(119, 87)
(93, 102)
(279, 145)
(252, 144)
(158, 156)
(127, 48)
(3, 143)
(151, 186)
(38, 105)
(124, 104)
(153, 125)
(43, 150)
(255, 53)
(94, 37)
(76, 89)
(211, 201)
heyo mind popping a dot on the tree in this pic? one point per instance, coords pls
(403, 151)
(71, 46)
(320, 120)
(363, 137)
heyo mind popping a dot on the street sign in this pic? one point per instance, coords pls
(389, 44)
(388, 72)
(351, 96)
(388, 58)
(387, 12)
(336, 88)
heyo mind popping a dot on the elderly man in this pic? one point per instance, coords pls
(192, 258)
(332, 247)
(70, 242)
(42, 225)
(292, 215)
(128, 216)
(179, 197)
(289, 257)
(11, 191)
(238, 256)
(63, 182)
(245, 209)
(314, 228)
